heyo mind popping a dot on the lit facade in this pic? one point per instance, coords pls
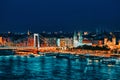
(111, 44)
(65, 42)
(1, 40)
(79, 41)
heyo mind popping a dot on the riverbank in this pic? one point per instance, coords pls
(100, 53)
(87, 52)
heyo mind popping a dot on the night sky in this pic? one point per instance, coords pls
(57, 15)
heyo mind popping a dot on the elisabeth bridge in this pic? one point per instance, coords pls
(36, 44)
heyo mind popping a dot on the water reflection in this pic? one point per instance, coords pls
(43, 67)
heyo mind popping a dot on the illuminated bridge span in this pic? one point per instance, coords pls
(13, 48)
(26, 48)
(36, 38)
(30, 41)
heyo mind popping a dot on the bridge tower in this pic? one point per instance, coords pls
(36, 40)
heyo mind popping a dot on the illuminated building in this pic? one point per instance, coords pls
(105, 40)
(79, 41)
(58, 42)
(30, 42)
(114, 40)
(49, 42)
(100, 43)
(119, 42)
(65, 42)
(75, 41)
(111, 44)
(5, 41)
(1, 40)
(52, 42)
(85, 33)
(87, 42)
(97, 43)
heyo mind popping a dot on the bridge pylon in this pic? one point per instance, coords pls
(36, 40)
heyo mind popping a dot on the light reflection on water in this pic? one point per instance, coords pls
(43, 67)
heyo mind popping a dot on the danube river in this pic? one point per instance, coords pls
(14, 67)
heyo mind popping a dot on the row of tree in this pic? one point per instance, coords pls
(86, 47)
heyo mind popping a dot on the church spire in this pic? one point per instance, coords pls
(28, 33)
(75, 36)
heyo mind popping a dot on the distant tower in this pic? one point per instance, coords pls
(80, 38)
(114, 40)
(97, 31)
(74, 36)
(58, 42)
(105, 40)
(74, 39)
(28, 33)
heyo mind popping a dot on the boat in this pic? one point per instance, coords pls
(109, 61)
(41, 54)
(31, 55)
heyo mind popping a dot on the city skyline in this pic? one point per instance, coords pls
(61, 15)
(59, 39)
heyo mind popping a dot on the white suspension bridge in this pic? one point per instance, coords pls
(37, 37)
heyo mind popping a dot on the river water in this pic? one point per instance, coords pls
(14, 67)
